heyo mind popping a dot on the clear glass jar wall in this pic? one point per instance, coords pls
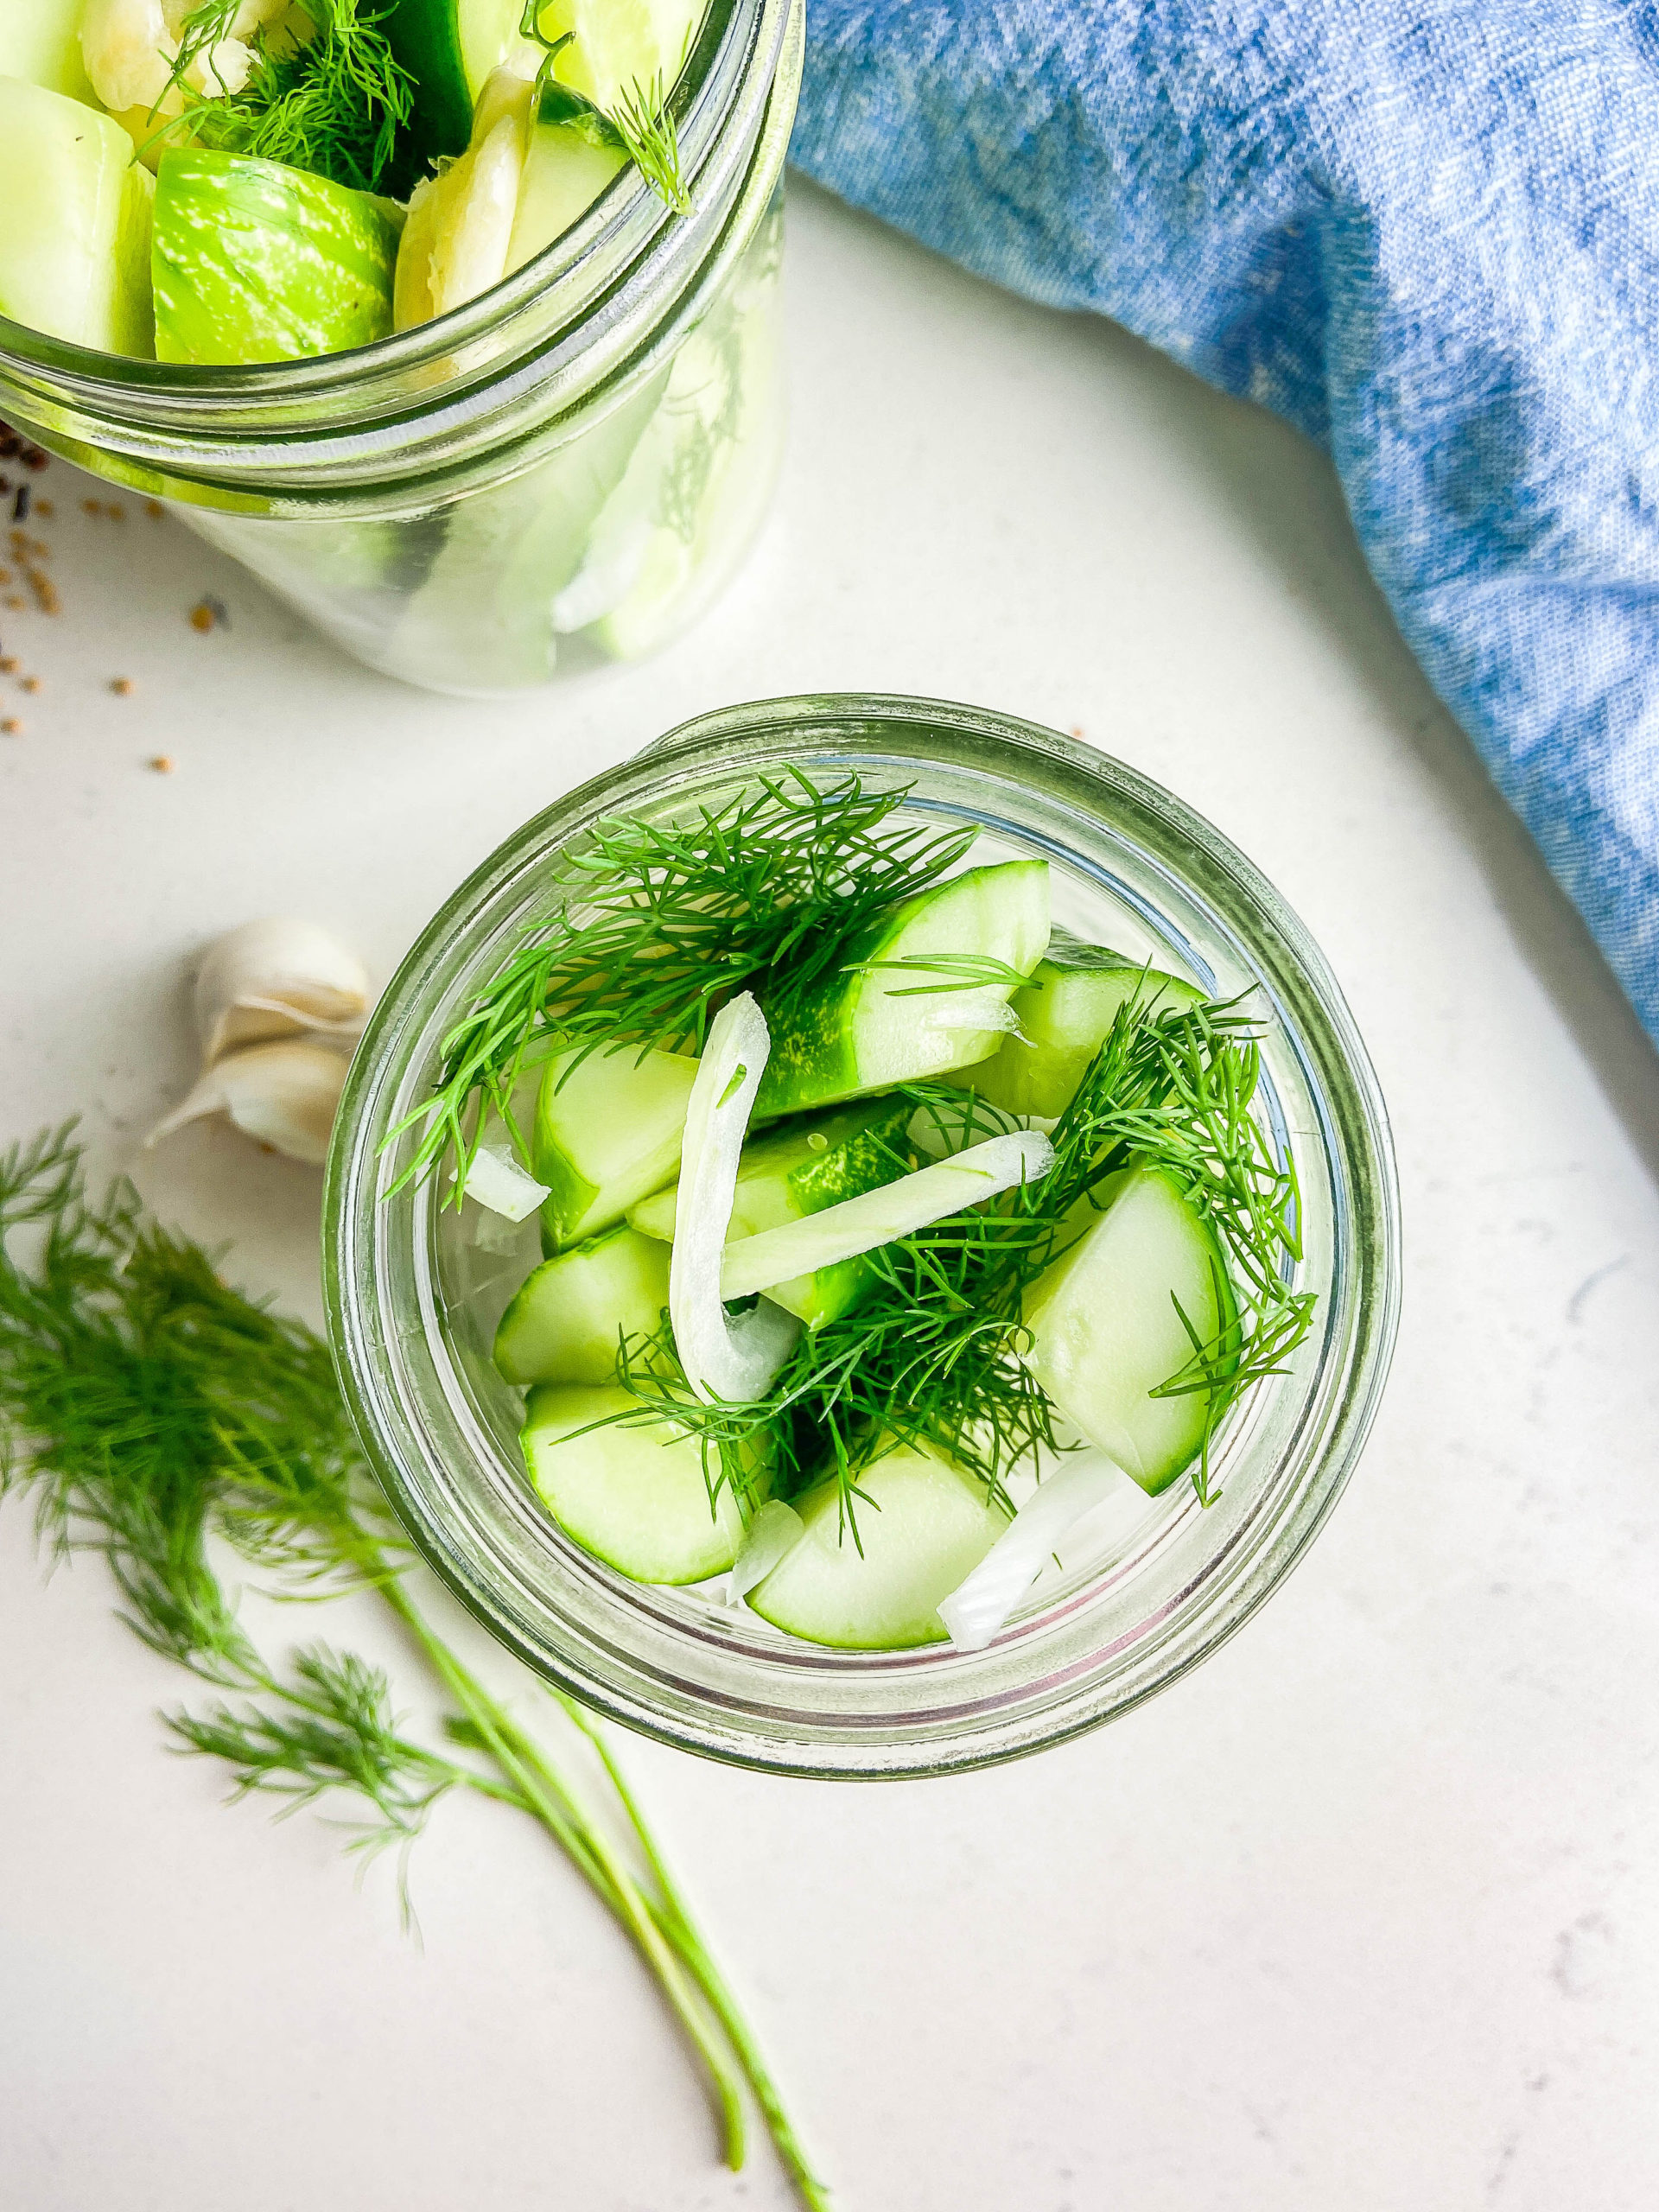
(562, 473)
(413, 1299)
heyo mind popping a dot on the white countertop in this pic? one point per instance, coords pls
(1365, 1913)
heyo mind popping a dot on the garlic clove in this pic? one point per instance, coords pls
(285, 1094)
(274, 978)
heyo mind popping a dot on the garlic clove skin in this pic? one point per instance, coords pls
(276, 978)
(285, 1094)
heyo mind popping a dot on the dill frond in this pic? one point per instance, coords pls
(933, 1355)
(660, 923)
(153, 1411)
(333, 107)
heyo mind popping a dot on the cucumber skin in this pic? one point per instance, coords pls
(230, 233)
(813, 1060)
(589, 1358)
(425, 40)
(1217, 1319)
(858, 1156)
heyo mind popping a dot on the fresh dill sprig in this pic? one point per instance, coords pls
(333, 106)
(642, 121)
(153, 1411)
(660, 923)
(933, 1356)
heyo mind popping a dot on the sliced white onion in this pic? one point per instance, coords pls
(772, 1535)
(979, 1606)
(874, 1218)
(724, 1356)
(497, 1180)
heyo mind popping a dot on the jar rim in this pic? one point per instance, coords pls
(576, 303)
(626, 1651)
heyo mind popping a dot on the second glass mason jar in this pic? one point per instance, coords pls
(414, 1293)
(563, 472)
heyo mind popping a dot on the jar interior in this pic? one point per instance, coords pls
(477, 1261)
(1146, 1589)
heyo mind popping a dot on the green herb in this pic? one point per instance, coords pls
(640, 122)
(152, 1410)
(660, 924)
(333, 107)
(933, 1356)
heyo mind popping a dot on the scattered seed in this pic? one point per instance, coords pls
(203, 616)
(11, 726)
(118, 512)
(163, 764)
(154, 509)
(19, 505)
(44, 507)
(11, 600)
(30, 683)
(122, 687)
(5, 576)
(8, 664)
(91, 506)
(1076, 729)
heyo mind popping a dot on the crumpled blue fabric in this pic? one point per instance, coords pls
(1427, 232)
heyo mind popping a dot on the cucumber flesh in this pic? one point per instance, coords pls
(254, 261)
(1065, 1015)
(620, 49)
(75, 225)
(566, 170)
(40, 44)
(932, 1527)
(801, 1170)
(634, 1497)
(565, 1323)
(608, 1130)
(1105, 1332)
(869, 1031)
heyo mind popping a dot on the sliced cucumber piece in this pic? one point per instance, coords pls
(40, 44)
(254, 261)
(635, 1496)
(885, 1024)
(801, 1170)
(622, 51)
(1064, 1014)
(449, 48)
(608, 1130)
(932, 1527)
(1105, 1330)
(565, 1323)
(74, 222)
(566, 169)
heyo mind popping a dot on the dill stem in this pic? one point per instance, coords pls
(553, 1805)
(674, 1918)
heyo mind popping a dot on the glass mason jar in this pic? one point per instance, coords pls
(413, 1299)
(562, 472)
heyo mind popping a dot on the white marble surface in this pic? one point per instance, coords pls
(1365, 1913)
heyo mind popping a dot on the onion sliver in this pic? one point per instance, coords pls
(979, 1606)
(733, 1356)
(495, 1180)
(772, 1536)
(823, 1240)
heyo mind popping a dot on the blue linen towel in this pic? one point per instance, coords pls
(1424, 231)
